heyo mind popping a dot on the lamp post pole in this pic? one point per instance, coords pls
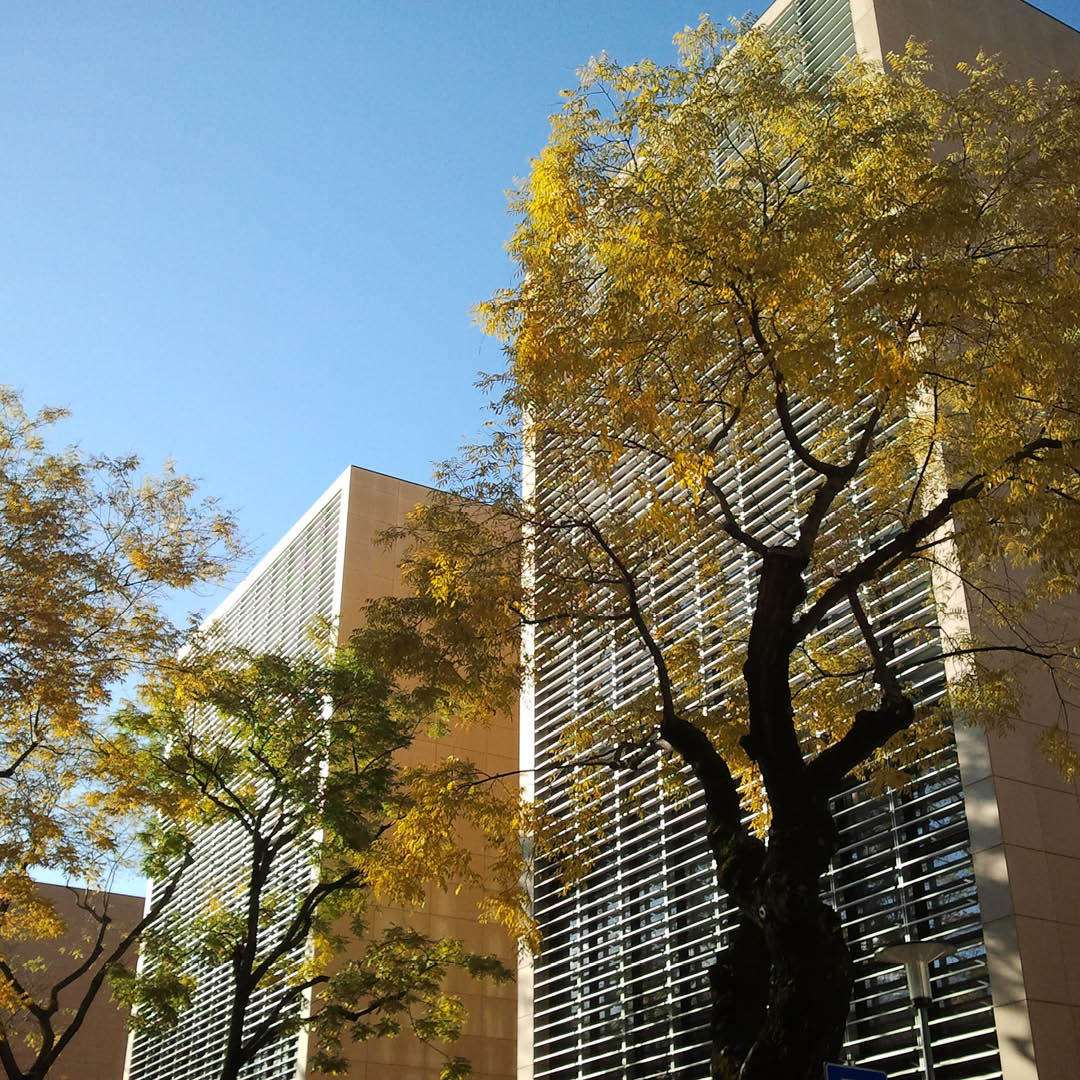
(917, 956)
(922, 1009)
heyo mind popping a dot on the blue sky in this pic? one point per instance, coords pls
(248, 235)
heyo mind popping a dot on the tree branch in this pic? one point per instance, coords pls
(901, 546)
(906, 542)
(835, 480)
(871, 728)
(119, 950)
(802, 451)
(735, 850)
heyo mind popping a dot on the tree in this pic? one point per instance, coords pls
(56, 964)
(294, 766)
(88, 548)
(735, 258)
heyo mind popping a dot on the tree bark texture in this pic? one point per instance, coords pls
(781, 990)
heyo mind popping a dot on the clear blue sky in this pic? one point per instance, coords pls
(248, 235)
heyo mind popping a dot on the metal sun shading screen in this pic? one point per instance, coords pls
(271, 615)
(621, 988)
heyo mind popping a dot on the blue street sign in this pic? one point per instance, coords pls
(852, 1072)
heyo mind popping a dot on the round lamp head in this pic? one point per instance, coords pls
(916, 956)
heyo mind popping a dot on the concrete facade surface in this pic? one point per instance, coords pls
(1031, 43)
(375, 503)
(1024, 818)
(96, 1052)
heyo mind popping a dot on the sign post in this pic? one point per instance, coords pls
(852, 1072)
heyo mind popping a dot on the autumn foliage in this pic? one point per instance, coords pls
(89, 547)
(731, 262)
(295, 763)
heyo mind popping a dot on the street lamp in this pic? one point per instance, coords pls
(917, 956)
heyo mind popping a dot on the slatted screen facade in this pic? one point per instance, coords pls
(269, 614)
(620, 990)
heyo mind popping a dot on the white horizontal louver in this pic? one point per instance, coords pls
(271, 615)
(620, 990)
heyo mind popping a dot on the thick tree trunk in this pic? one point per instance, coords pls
(739, 992)
(781, 991)
(244, 957)
(235, 1050)
(782, 988)
(810, 982)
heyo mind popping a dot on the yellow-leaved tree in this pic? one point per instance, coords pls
(294, 766)
(88, 548)
(793, 358)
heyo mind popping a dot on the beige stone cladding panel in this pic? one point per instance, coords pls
(1039, 813)
(1025, 832)
(97, 1051)
(1031, 42)
(375, 502)
(1024, 819)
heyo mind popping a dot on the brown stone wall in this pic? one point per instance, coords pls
(97, 1051)
(1025, 833)
(1031, 42)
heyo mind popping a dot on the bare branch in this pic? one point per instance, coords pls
(735, 848)
(835, 480)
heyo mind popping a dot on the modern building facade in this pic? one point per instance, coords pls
(982, 850)
(327, 565)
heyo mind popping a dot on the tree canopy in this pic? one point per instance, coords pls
(294, 767)
(294, 761)
(793, 386)
(89, 546)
